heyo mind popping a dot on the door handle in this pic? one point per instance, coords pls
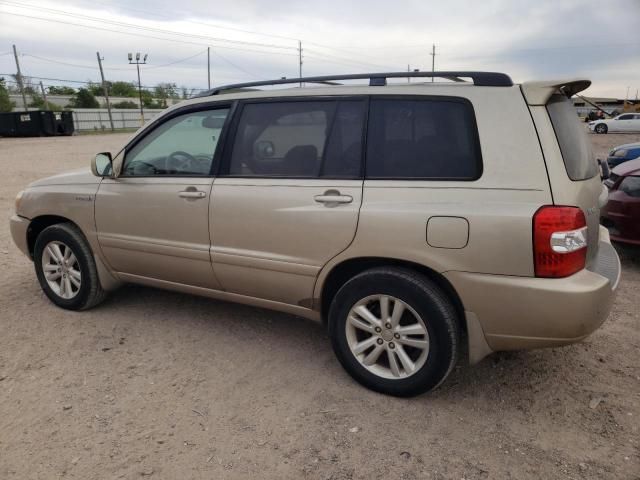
(192, 194)
(332, 198)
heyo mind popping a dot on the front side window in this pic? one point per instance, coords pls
(625, 117)
(299, 139)
(422, 139)
(183, 145)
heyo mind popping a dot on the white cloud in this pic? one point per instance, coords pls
(542, 39)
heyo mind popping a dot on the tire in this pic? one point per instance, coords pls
(601, 128)
(425, 307)
(83, 282)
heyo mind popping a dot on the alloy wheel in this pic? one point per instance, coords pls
(387, 336)
(61, 270)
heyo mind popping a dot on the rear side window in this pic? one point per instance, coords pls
(422, 139)
(300, 139)
(572, 138)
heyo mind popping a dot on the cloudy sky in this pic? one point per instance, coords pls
(252, 39)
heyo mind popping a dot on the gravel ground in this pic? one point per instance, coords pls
(159, 385)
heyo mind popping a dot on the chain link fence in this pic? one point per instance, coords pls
(98, 119)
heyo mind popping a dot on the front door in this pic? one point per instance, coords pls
(288, 197)
(152, 220)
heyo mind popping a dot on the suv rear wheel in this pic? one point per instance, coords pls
(394, 331)
(66, 268)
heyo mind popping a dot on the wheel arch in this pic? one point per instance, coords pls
(39, 223)
(343, 271)
(601, 124)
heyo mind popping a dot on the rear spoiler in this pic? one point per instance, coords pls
(538, 93)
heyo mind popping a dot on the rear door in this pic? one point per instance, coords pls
(625, 123)
(288, 196)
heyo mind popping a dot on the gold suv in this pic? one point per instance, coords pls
(411, 218)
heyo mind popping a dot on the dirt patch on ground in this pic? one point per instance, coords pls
(161, 385)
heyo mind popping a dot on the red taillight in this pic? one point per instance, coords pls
(559, 241)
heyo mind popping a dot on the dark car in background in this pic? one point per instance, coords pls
(623, 153)
(621, 215)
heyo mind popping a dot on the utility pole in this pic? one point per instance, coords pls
(433, 60)
(626, 99)
(209, 67)
(300, 60)
(137, 63)
(44, 96)
(19, 78)
(105, 89)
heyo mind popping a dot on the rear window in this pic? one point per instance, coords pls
(300, 139)
(572, 138)
(422, 139)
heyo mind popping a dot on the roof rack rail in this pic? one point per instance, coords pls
(485, 79)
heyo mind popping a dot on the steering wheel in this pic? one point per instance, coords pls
(180, 161)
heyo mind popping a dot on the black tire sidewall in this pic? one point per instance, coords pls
(62, 234)
(430, 303)
(601, 128)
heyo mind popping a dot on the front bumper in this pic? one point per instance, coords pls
(19, 226)
(526, 312)
(622, 226)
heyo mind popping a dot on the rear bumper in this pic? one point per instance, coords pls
(525, 312)
(19, 226)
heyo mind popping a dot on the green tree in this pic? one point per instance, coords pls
(6, 105)
(84, 99)
(125, 104)
(163, 91)
(95, 88)
(38, 102)
(53, 90)
(123, 89)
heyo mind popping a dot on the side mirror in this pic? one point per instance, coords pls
(605, 170)
(101, 165)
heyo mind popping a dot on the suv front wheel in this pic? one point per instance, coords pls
(66, 269)
(394, 331)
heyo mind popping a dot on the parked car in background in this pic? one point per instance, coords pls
(623, 153)
(627, 122)
(621, 215)
(407, 217)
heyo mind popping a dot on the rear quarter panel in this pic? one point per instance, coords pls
(498, 206)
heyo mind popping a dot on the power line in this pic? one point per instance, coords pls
(82, 82)
(177, 61)
(238, 67)
(149, 29)
(76, 65)
(171, 40)
(208, 24)
(171, 32)
(349, 60)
